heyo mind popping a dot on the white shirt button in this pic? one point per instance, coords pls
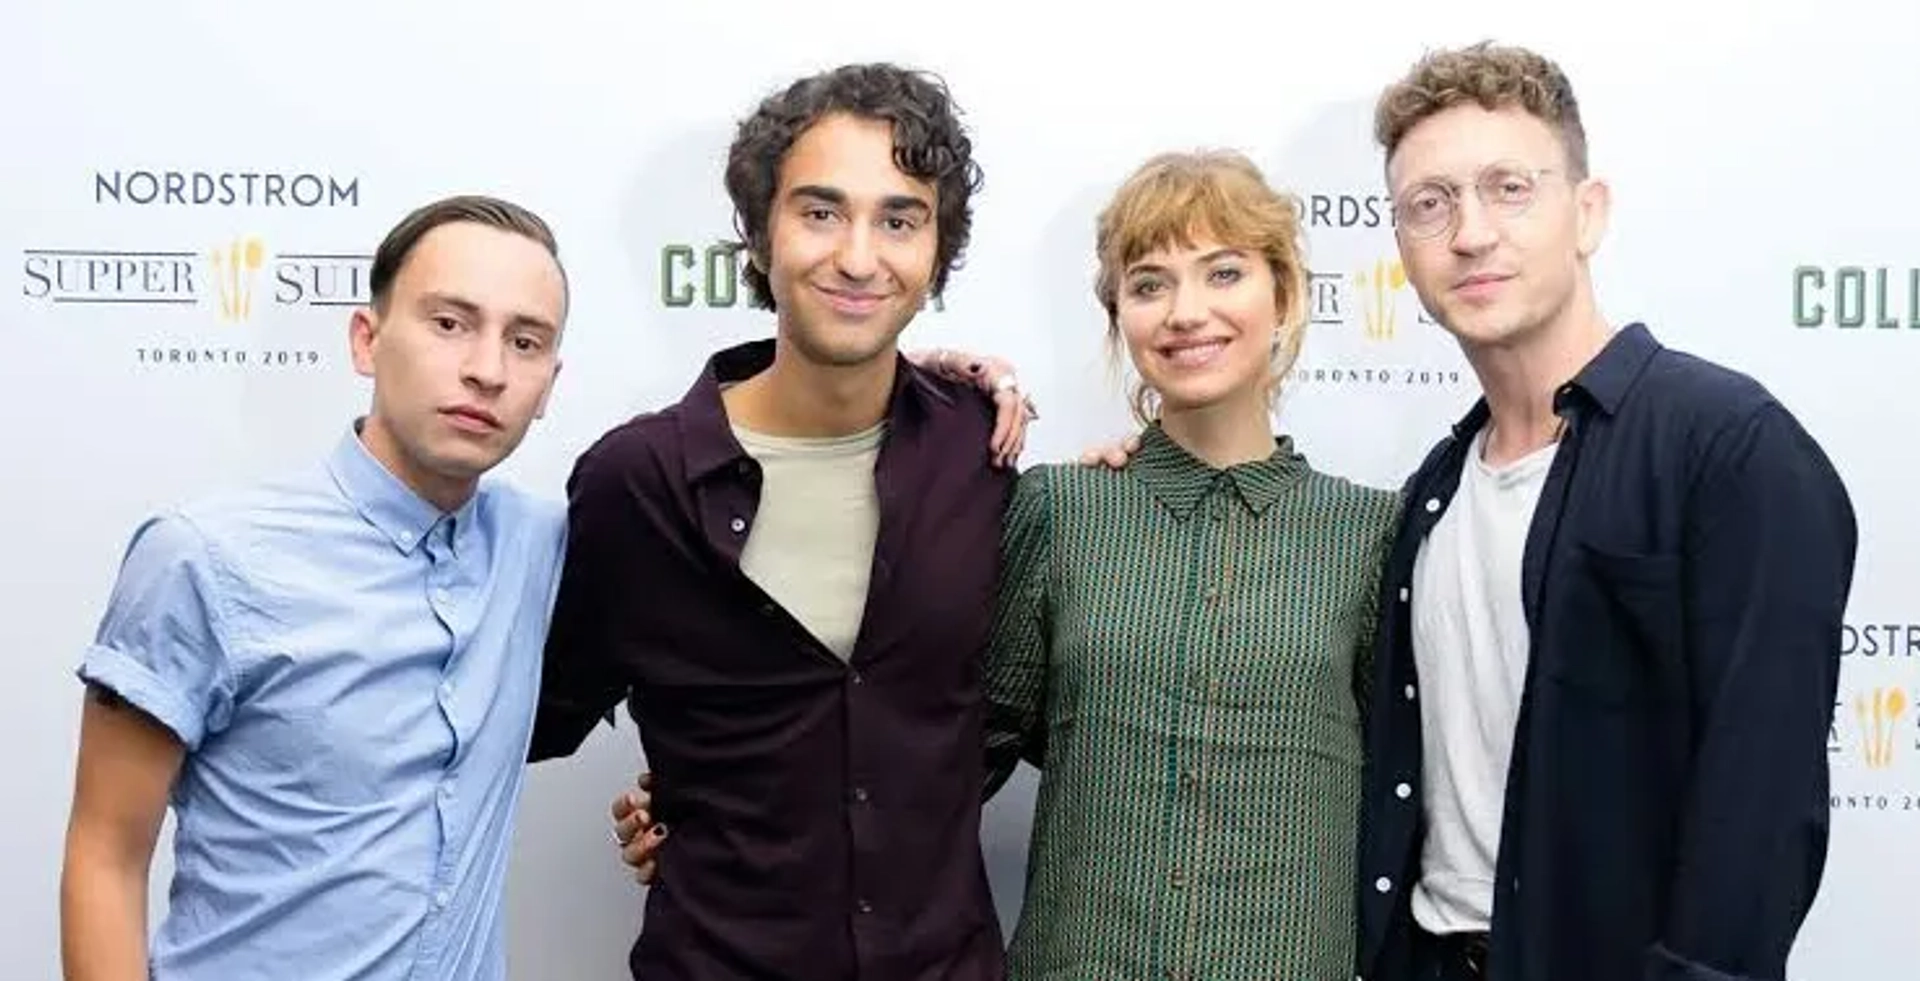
(1403, 791)
(446, 689)
(1383, 884)
(442, 898)
(439, 595)
(1433, 504)
(406, 538)
(1404, 593)
(1409, 693)
(738, 525)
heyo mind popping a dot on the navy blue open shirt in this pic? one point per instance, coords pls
(1685, 579)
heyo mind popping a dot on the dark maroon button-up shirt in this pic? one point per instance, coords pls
(824, 815)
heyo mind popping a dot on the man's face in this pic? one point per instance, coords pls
(465, 353)
(851, 242)
(1493, 232)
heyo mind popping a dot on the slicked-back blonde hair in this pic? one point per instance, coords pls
(1493, 77)
(1176, 199)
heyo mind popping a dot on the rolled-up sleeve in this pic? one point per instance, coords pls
(158, 646)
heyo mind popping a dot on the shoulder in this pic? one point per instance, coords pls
(953, 410)
(1035, 484)
(1347, 493)
(963, 399)
(537, 518)
(643, 451)
(1714, 414)
(1375, 511)
(645, 435)
(208, 547)
(1032, 498)
(234, 527)
(169, 543)
(1703, 393)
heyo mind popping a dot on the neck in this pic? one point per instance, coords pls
(443, 492)
(1520, 378)
(799, 398)
(1233, 431)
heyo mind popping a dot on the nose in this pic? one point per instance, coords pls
(856, 259)
(1189, 309)
(1474, 231)
(485, 365)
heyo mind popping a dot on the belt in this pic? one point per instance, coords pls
(1468, 950)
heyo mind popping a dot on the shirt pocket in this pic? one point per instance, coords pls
(1625, 627)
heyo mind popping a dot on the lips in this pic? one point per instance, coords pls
(1196, 353)
(853, 303)
(472, 417)
(1481, 284)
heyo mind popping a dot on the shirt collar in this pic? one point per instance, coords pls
(385, 501)
(1604, 381)
(1613, 371)
(707, 435)
(1181, 480)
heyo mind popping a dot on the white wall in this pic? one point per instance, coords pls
(1740, 146)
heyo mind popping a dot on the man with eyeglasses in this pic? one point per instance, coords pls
(1608, 644)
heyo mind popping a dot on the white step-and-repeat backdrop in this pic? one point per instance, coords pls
(192, 188)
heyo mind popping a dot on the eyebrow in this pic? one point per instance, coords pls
(1215, 255)
(832, 195)
(472, 309)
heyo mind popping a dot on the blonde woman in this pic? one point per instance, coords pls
(1180, 645)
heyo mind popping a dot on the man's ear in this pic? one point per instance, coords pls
(363, 336)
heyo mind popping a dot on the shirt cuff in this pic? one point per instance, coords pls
(126, 677)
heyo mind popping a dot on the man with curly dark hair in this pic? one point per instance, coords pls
(788, 574)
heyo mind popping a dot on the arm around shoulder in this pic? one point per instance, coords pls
(1016, 670)
(578, 684)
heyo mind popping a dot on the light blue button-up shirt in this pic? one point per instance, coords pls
(354, 674)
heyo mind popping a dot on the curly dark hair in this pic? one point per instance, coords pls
(929, 143)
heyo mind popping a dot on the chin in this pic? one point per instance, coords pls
(470, 455)
(847, 345)
(1195, 393)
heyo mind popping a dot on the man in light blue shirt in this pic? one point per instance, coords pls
(331, 676)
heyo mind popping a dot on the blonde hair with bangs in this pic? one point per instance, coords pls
(1175, 199)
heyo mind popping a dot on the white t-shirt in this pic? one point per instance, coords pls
(1470, 646)
(811, 547)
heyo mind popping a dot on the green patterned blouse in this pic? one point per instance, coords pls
(1182, 651)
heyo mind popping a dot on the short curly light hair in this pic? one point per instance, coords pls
(1492, 76)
